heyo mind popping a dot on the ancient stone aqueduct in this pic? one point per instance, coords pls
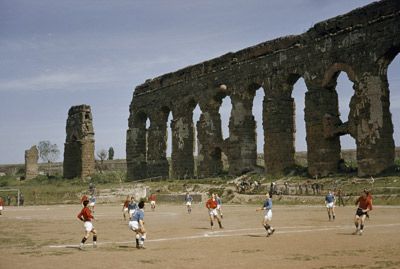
(361, 43)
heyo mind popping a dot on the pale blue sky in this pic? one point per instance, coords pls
(56, 54)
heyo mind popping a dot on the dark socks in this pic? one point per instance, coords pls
(94, 238)
(362, 227)
(83, 240)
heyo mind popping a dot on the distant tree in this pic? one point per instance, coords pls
(102, 155)
(48, 152)
(111, 153)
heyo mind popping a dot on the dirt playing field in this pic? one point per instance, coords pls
(48, 236)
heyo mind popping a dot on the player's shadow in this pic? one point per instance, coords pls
(126, 247)
(344, 233)
(74, 247)
(201, 228)
(255, 235)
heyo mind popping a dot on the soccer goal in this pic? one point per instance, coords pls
(12, 193)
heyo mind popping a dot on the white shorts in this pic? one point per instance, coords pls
(1, 207)
(92, 203)
(88, 226)
(153, 202)
(213, 212)
(188, 203)
(219, 207)
(330, 205)
(268, 215)
(125, 209)
(133, 225)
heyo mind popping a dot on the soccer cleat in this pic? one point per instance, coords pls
(94, 245)
(355, 232)
(80, 246)
(360, 232)
(272, 231)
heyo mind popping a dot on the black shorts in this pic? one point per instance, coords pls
(360, 212)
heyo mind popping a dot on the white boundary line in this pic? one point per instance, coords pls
(241, 233)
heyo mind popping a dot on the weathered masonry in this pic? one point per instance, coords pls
(79, 143)
(361, 43)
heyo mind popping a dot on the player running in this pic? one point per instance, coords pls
(125, 207)
(188, 200)
(211, 205)
(330, 205)
(152, 200)
(86, 216)
(92, 202)
(1, 205)
(268, 215)
(219, 205)
(132, 206)
(364, 205)
(84, 198)
(136, 224)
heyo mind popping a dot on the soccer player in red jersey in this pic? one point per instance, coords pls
(86, 216)
(1, 205)
(212, 205)
(84, 198)
(152, 200)
(364, 205)
(125, 207)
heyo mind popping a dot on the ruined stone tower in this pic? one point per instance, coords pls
(79, 143)
(31, 163)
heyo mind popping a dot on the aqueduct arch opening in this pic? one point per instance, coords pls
(364, 39)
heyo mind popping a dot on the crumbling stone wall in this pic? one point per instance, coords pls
(31, 163)
(361, 43)
(79, 143)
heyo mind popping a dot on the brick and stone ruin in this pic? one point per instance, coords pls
(361, 43)
(31, 163)
(79, 143)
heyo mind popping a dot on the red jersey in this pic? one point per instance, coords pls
(364, 203)
(84, 198)
(211, 204)
(85, 214)
(152, 197)
(1, 202)
(126, 203)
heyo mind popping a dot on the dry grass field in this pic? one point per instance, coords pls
(37, 237)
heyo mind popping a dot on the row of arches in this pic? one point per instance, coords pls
(340, 82)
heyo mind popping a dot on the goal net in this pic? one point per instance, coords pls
(10, 196)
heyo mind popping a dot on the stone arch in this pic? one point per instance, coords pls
(333, 72)
(387, 58)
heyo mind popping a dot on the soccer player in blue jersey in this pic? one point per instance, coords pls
(219, 205)
(188, 200)
(330, 205)
(136, 224)
(132, 206)
(268, 215)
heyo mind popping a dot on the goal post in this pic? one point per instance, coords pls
(16, 192)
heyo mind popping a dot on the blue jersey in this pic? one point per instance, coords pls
(132, 206)
(92, 199)
(219, 201)
(330, 198)
(268, 204)
(188, 198)
(138, 215)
